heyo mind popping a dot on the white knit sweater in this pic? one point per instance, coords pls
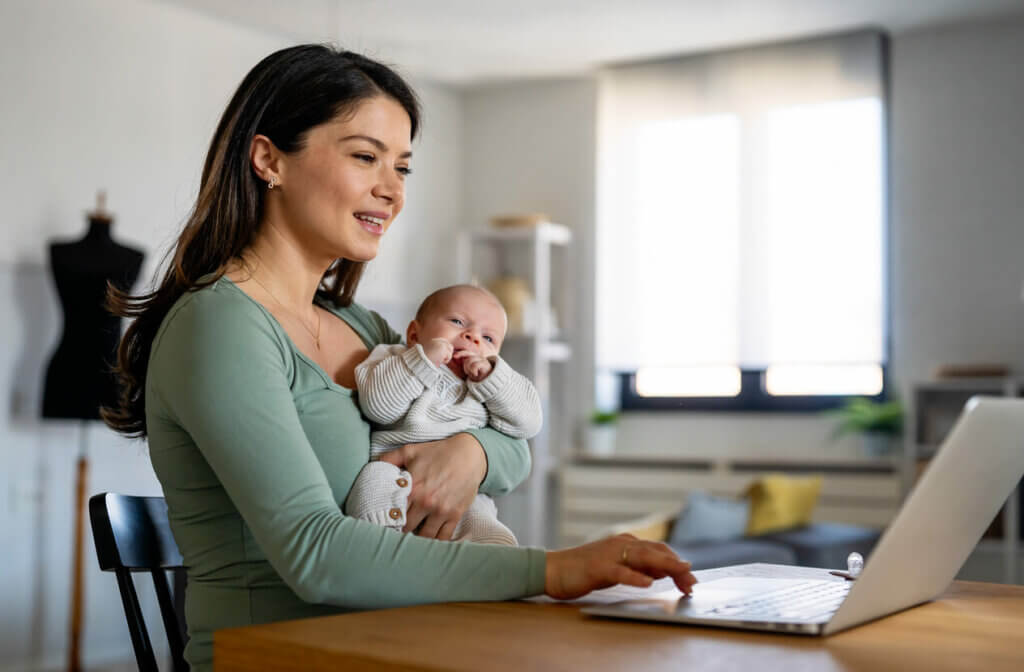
(411, 400)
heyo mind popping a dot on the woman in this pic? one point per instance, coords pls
(239, 368)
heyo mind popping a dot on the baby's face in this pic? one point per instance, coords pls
(467, 318)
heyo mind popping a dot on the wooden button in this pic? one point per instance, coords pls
(395, 514)
(402, 482)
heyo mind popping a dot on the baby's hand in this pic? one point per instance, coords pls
(438, 351)
(476, 367)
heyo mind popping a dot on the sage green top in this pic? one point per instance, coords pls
(256, 449)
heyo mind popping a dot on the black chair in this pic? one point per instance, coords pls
(132, 535)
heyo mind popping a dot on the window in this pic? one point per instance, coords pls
(741, 227)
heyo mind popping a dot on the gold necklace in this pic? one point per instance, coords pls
(316, 334)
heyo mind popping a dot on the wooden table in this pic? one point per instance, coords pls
(972, 626)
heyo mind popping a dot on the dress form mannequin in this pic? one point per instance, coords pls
(79, 378)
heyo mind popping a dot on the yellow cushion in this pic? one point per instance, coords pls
(781, 502)
(657, 531)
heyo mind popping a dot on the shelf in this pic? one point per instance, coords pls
(994, 546)
(937, 404)
(555, 352)
(746, 463)
(552, 351)
(547, 232)
(521, 336)
(969, 385)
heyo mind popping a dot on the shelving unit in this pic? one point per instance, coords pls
(935, 408)
(527, 252)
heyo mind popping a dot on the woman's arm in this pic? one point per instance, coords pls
(507, 461)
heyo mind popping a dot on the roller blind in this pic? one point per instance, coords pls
(741, 217)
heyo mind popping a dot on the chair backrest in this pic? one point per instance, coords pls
(132, 535)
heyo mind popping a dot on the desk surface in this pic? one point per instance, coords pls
(972, 626)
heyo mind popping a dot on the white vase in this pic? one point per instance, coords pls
(876, 444)
(601, 439)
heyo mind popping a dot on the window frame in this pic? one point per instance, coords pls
(752, 396)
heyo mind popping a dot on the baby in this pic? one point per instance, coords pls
(448, 380)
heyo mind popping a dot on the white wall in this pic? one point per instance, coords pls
(958, 205)
(958, 219)
(124, 95)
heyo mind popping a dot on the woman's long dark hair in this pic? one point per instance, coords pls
(288, 93)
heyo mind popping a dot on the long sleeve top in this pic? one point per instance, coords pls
(410, 399)
(256, 449)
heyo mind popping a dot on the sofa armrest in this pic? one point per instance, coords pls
(653, 527)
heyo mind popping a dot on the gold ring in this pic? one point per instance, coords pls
(625, 554)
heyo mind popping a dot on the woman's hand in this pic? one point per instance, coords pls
(620, 559)
(445, 477)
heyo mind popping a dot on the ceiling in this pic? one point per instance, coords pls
(465, 42)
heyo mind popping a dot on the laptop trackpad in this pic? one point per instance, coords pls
(706, 595)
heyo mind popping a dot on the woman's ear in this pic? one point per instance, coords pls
(410, 333)
(265, 158)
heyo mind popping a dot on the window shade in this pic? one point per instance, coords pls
(741, 208)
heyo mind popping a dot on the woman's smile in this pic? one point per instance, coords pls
(373, 221)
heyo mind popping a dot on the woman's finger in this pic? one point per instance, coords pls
(651, 555)
(623, 574)
(447, 530)
(657, 561)
(398, 457)
(414, 516)
(431, 526)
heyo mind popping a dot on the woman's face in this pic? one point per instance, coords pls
(342, 190)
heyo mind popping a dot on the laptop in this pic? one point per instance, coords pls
(966, 483)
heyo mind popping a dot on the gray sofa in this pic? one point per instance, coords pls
(815, 545)
(819, 544)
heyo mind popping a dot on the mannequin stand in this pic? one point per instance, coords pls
(77, 587)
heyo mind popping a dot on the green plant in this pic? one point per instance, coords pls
(604, 417)
(863, 416)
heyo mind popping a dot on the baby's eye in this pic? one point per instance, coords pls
(455, 320)
(489, 339)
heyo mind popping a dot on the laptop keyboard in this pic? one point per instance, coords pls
(811, 601)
